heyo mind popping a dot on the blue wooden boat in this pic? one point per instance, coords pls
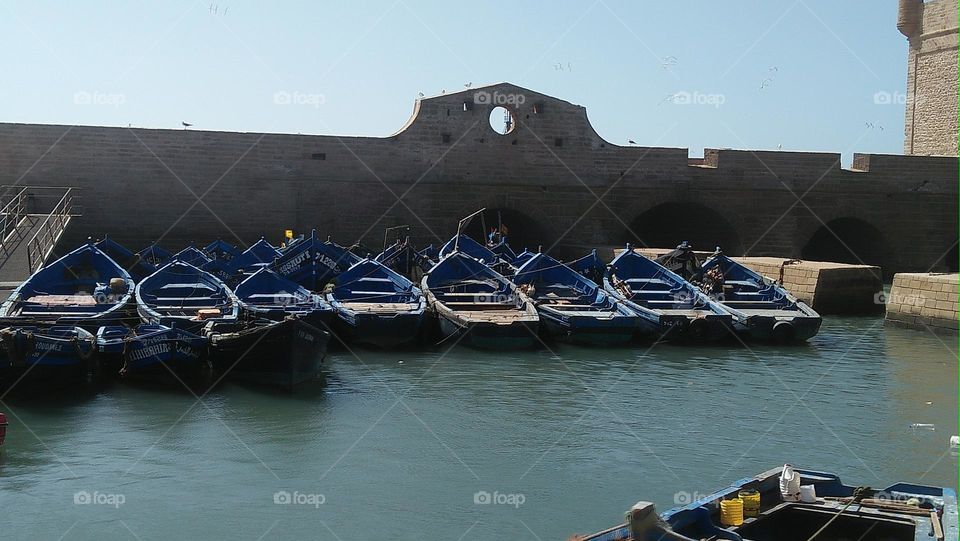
(59, 353)
(840, 512)
(313, 263)
(523, 257)
(83, 288)
(136, 266)
(155, 352)
(478, 306)
(427, 257)
(221, 250)
(155, 255)
(761, 309)
(402, 258)
(376, 305)
(474, 249)
(267, 295)
(183, 296)
(575, 309)
(504, 251)
(259, 254)
(590, 266)
(680, 309)
(191, 255)
(283, 353)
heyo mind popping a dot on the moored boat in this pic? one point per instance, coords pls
(181, 295)
(377, 306)
(831, 511)
(155, 255)
(134, 264)
(221, 250)
(478, 306)
(761, 308)
(283, 353)
(680, 309)
(191, 255)
(59, 353)
(84, 288)
(267, 295)
(258, 255)
(154, 352)
(313, 263)
(573, 308)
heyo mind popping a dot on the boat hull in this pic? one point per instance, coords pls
(780, 330)
(589, 331)
(483, 335)
(283, 353)
(378, 330)
(163, 354)
(54, 354)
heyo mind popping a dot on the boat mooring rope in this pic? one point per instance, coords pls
(859, 493)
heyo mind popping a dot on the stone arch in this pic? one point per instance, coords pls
(523, 230)
(668, 224)
(847, 240)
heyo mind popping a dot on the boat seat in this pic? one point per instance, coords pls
(484, 305)
(374, 279)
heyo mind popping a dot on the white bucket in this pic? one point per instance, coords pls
(808, 494)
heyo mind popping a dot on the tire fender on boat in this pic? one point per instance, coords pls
(783, 331)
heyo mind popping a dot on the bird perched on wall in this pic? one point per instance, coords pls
(468, 85)
(186, 124)
(420, 94)
(632, 142)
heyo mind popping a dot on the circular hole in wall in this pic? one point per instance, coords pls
(502, 121)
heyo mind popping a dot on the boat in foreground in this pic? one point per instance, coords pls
(827, 511)
(181, 295)
(376, 306)
(84, 288)
(50, 354)
(573, 308)
(680, 309)
(154, 352)
(282, 353)
(479, 306)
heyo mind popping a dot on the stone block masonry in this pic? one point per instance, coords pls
(921, 300)
(544, 178)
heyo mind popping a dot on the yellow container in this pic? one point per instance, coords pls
(731, 512)
(751, 502)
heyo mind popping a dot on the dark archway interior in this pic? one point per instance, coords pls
(950, 260)
(669, 224)
(522, 230)
(847, 240)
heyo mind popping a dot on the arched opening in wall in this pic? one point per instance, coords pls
(669, 224)
(846, 240)
(521, 230)
(501, 120)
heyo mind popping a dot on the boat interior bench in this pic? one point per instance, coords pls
(476, 306)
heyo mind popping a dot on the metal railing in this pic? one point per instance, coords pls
(12, 213)
(49, 231)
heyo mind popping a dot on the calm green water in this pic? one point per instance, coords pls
(567, 439)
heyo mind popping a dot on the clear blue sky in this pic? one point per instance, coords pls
(801, 74)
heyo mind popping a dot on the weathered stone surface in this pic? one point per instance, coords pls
(924, 300)
(556, 181)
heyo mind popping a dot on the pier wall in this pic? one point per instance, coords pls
(924, 300)
(553, 180)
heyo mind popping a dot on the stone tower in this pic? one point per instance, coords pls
(931, 100)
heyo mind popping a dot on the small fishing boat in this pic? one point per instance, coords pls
(522, 258)
(220, 250)
(155, 255)
(259, 254)
(678, 307)
(831, 511)
(427, 257)
(284, 353)
(191, 255)
(83, 288)
(136, 266)
(573, 308)
(267, 295)
(313, 263)
(376, 306)
(59, 353)
(183, 296)
(463, 243)
(590, 266)
(478, 305)
(504, 251)
(154, 352)
(762, 309)
(402, 258)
